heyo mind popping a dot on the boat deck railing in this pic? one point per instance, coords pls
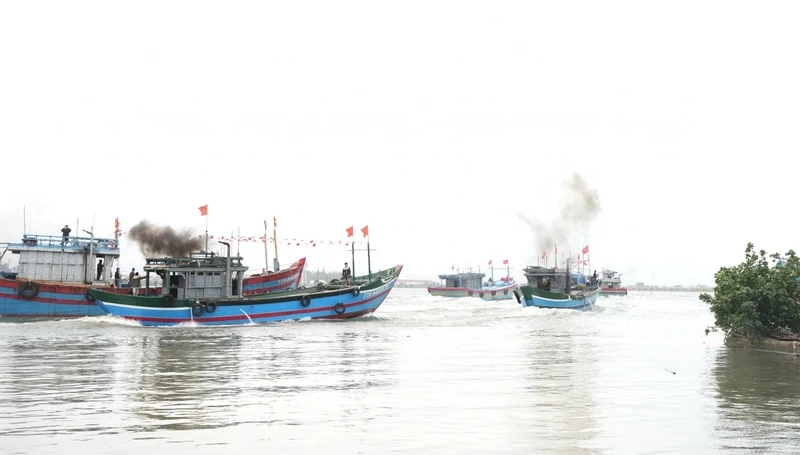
(57, 241)
(195, 260)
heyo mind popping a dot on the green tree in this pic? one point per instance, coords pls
(758, 297)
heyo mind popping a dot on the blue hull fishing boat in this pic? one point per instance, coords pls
(555, 288)
(54, 275)
(204, 290)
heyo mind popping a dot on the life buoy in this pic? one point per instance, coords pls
(305, 300)
(356, 291)
(197, 310)
(89, 296)
(211, 307)
(167, 299)
(339, 308)
(28, 290)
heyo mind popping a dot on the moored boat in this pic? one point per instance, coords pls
(611, 284)
(283, 280)
(204, 289)
(54, 274)
(470, 284)
(554, 288)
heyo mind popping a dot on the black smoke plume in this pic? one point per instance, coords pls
(579, 207)
(156, 240)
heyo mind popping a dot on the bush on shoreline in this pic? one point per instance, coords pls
(759, 297)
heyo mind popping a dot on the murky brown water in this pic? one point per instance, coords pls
(424, 375)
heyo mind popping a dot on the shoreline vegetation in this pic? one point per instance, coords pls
(757, 303)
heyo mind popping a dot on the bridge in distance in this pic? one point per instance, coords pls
(415, 283)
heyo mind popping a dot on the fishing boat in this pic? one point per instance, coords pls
(54, 274)
(283, 280)
(203, 289)
(555, 288)
(471, 284)
(611, 284)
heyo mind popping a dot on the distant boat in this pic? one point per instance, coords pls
(204, 291)
(611, 284)
(554, 288)
(470, 284)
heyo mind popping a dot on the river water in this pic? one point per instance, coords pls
(424, 375)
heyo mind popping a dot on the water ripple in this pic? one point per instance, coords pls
(423, 375)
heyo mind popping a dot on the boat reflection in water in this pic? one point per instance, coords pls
(199, 379)
(560, 390)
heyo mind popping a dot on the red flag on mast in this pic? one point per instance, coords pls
(203, 210)
(505, 261)
(349, 231)
(585, 250)
(490, 262)
(365, 230)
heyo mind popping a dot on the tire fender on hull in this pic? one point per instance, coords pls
(28, 290)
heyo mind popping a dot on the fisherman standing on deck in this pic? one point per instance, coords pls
(130, 277)
(346, 274)
(594, 278)
(117, 278)
(65, 234)
(135, 283)
(99, 269)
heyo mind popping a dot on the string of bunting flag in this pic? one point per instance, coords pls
(280, 240)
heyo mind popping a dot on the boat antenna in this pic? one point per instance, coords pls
(24, 221)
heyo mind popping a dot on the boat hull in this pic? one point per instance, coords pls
(341, 303)
(613, 291)
(283, 280)
(36, 299)
(488, 294)
(530, 296)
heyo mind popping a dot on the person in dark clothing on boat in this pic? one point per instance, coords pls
(117, 278)
(65, 234)
(346, 274)
(594, 278)
(99, 269)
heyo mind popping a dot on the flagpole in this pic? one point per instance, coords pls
(206, 232)
(369, 262)
(276, 265)
(266, 249)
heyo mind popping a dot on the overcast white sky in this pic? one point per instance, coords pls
(433, 122)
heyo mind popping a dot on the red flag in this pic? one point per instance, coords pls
(585, 250)
(203, 210)
(490, 262)
(365, 230)
(116, 224)
(544, 254)
(505, 261)
(349, 231)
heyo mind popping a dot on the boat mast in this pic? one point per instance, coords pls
(266, 256)
(275, 264)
